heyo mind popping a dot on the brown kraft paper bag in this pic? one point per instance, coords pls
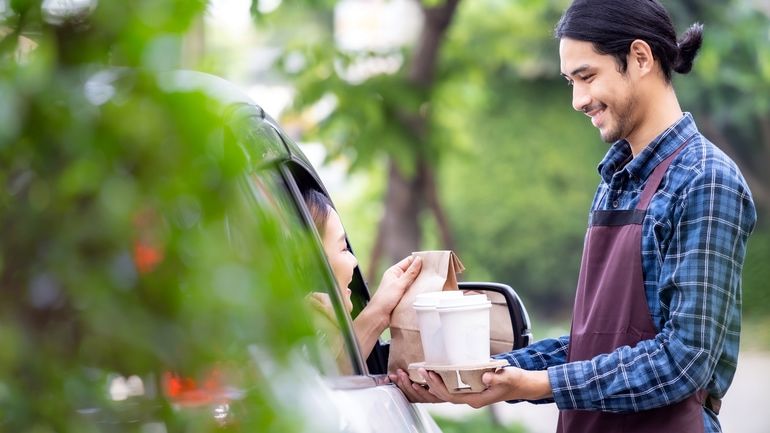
(439, 272)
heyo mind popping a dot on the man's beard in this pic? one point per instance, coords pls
(622, 113)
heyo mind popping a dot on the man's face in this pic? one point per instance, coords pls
(599, 89)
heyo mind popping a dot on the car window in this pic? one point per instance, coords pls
(304, 178)
(332, 352)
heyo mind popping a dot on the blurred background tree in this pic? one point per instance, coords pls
(729, 93)
(377, 115)
(115, 265)
(509, 168)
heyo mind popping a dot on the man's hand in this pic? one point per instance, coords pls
(504, 384)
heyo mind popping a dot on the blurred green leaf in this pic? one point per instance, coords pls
(116, 258)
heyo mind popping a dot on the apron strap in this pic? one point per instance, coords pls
(653, 182)
(713, 404)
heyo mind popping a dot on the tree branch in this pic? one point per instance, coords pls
(437, 20)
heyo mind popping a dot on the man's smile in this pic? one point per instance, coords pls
(595, 113)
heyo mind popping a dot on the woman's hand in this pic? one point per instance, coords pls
(414, 392)
(375, 317)
(395, 281)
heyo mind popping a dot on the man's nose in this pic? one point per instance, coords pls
(580, 97)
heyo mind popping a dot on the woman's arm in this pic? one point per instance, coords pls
(375, 317)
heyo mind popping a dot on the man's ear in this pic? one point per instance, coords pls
(640, 57)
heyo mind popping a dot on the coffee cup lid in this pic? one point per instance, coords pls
(431, 299)
(463, 301)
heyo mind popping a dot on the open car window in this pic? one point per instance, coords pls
(332, 352)
(377, 361)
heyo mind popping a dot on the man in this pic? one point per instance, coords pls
(656, 322)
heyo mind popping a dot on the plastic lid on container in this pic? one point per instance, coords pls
(464, 301)
(431, 299)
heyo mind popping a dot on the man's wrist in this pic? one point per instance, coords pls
(540, 385)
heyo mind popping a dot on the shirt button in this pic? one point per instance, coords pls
(615, 204)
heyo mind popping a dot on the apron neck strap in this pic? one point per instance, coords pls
(653, 182)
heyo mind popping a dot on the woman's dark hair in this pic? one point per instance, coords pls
(612, 25)
(319, 206)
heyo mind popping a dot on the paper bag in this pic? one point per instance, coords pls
(439, 272)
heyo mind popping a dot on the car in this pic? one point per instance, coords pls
(321, 379)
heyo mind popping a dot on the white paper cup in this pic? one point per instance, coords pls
(430, 324)
(465, 328)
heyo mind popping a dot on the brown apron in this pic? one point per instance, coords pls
(611, 311)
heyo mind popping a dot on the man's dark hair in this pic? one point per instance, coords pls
(612, 25)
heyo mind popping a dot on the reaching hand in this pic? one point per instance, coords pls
(395, 281)
(375, 317)
(509, 383)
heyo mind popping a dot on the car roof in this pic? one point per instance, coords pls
(238, 107)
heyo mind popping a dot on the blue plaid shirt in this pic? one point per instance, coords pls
(693, 244)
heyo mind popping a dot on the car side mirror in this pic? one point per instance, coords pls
(510, 327)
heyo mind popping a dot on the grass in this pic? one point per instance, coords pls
(755, 334)
(480, 423)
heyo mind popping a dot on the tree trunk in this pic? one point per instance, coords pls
(430, 192)
(399, 231)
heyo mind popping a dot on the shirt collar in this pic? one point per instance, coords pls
(645, 162)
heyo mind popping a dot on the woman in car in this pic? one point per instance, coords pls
(375, 316)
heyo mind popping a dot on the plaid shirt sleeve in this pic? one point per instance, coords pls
(699, 288)
(538, 356)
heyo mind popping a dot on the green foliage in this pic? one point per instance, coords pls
(504, 127)
(517, 166)
(519, 198)
(756, 274)
(481, 423)
(729, 88)
(258, 14)
(367, 122)
(492, 34)
(734, 63)
(755, 332)
(370, 119)
(115, 256)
